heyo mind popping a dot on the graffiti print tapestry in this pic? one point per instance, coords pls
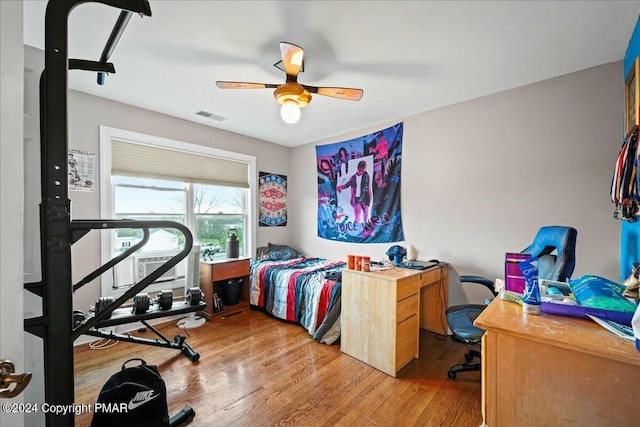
(273, 200)
(359, 188)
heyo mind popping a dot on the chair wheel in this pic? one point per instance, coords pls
(452, 374)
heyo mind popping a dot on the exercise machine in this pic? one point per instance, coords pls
(59, 326)
(143, 310)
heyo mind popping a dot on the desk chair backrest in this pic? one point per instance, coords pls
(558, 266)
(561, 239)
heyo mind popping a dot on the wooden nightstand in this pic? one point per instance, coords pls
(215, 274)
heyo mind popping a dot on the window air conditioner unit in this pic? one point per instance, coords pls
(145, 264)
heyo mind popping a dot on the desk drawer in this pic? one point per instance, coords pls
(430, 276)
(406, 341)
(407, 307)
(230, 270)
(407, 287)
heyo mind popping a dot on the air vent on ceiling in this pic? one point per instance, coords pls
(211, 116)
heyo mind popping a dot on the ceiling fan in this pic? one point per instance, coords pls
(292, 95)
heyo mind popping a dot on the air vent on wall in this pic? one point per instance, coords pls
(211, 116)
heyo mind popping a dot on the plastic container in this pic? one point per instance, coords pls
(366, 263)
(230, 292)
(635, 324)
(351, 262)
(514, 280)
(531, 300)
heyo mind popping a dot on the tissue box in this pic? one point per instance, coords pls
(513, 278)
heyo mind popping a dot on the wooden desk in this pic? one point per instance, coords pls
(383, 311)
(555, 370)
(434, 294)
(214, 274)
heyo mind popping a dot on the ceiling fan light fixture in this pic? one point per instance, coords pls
(290, 112)
(287, 91)
(291, 95)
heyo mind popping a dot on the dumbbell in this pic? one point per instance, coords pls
(141, 303)
(78, 318)
(164, 299)
(102, 303)
(194, 296)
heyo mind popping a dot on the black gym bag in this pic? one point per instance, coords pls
(134, 397)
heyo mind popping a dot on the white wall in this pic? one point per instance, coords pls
(11, 190)
(479, 178)
(87, 113)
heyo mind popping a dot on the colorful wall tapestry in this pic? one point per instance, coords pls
(273, 200)
(359, 188)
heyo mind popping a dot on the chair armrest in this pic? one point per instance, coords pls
(487, 283)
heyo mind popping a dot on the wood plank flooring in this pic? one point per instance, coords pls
(255, 370)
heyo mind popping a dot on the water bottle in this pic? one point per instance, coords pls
(233, 244)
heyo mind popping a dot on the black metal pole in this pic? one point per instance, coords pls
(55, 207)
(116, 33)
(55, 214)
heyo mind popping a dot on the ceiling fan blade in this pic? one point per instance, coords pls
(245, 85)
(291, 59)
(337, 92)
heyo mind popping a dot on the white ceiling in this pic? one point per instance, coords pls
(407, 56)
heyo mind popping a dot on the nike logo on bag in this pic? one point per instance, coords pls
(141, 398)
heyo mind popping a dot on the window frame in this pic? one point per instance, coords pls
(107, 244)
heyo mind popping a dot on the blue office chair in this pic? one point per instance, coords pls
(562, 240)
(558, 266)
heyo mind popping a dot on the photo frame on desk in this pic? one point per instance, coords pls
(632, 97)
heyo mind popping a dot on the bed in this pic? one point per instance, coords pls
(298, 289)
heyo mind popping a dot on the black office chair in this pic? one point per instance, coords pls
(558, 266)
(460, 319)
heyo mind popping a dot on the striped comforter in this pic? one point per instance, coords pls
(297, 290)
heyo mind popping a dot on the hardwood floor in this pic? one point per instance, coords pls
(255, 370)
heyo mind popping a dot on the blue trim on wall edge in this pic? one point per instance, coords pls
(630, 232)
(633, 49)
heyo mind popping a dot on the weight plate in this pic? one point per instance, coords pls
(78, 318)
(141, 303)
(194, 296)
(165, 300)
(102, 303)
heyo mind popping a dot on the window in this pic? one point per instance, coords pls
(149, 199)
(218, 212)
(149, 178)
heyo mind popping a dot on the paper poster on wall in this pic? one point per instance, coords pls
(359, 188)
(273, 200)
(81, 170)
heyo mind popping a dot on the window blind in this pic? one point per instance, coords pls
(153, 162)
